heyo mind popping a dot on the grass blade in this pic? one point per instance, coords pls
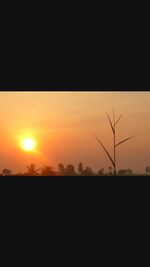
(110, 123)
(113, 115)
(104, 149)
(119, 118)
(125, 140)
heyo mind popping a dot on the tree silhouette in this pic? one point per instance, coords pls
(80, 168)
(48, 171)
(101, 172)
(6, 172)
(110, 170)
(129, 172)
(125, 172)
(88, 172)
(32, 170)
(147, 169)
(122, 172)
(61, 169)
(70, 170)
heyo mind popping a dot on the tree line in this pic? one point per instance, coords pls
(70, 170)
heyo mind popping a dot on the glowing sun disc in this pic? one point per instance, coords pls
(28, 144)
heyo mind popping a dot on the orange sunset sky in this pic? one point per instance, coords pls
(62, 124)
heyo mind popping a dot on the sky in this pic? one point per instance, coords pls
(62, 123)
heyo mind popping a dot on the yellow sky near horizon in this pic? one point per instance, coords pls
(63, 122)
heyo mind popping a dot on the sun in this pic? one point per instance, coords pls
(28, 144)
